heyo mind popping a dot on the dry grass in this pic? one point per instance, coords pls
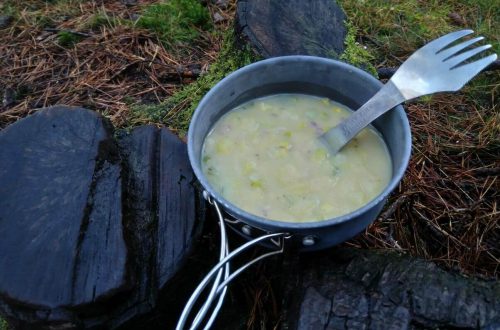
(446, 208)
(113, 66)
(96, 73)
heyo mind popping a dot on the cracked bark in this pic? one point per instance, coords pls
(292, 27)
(375, 290)
(93, 230)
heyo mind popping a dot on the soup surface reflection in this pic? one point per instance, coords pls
(265, 157)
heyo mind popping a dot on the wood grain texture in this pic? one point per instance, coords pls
(359, 289)
(93, 229)
(164, 209)
(292, 27)
(177, 201)
(60, 211)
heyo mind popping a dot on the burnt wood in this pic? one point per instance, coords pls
(164, 216)
(93, 230)
(358, 289)
(292, 27)
(60, 211)
(343, 288)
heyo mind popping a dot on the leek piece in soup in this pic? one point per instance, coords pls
(265, 157)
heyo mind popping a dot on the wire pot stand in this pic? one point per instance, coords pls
(221, 274)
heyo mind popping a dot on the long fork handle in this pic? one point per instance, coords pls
(385, 99)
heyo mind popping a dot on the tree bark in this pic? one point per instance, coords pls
(93, 230)
(292, 27)
(358, 289)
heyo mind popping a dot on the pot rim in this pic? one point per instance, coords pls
(260, 222)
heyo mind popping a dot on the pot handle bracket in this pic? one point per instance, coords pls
(222, 272)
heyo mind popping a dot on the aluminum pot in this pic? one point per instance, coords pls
(317, 76)
(335, 80)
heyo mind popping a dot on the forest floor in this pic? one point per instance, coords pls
(145, 61)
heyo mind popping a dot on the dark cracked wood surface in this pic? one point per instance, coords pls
(60, 211)
(359, 289)
(96, 230)
(162, 229)
(93, 229)
(292, 27)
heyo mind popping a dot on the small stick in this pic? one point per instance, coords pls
(487, 171)
(391, 209)
(81, 34)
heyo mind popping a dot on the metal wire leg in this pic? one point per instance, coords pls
(223, 267)
(224, 250)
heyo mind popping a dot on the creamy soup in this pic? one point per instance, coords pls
(265, 157)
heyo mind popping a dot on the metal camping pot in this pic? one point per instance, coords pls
(323, 77)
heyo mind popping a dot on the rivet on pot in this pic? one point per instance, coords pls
(309, 240)
(247, 230)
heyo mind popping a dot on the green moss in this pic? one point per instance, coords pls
(8, 9)
(355, 54)
(175, 21)
(484, 89)
(401, 26)
(3, 324)
(102, 19)
(425, 99)
(398, 26)
(67, 39)
(177, 110)
(41, 13)
(395, 29)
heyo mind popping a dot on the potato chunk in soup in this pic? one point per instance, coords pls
(265, 157)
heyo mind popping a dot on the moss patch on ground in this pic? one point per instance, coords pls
(175, 21)
(392, 30)
(355, 53)
(118, 55)
(3, 325)
(402, 26)
(177, 110)
(41, 13)
(67, 39)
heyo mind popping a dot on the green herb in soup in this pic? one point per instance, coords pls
(265, 157)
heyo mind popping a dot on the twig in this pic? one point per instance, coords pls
(81, 34)
(495, 171)
(394, 206)
(376, 43)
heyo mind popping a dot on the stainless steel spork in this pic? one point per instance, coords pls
(435, 67)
